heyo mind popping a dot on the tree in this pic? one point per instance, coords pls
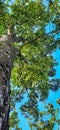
(29, 47)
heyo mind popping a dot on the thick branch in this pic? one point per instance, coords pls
(10, 30)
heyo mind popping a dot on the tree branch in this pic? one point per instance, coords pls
(44, 35)
(27, 40)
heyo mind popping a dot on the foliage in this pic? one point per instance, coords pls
(34, 66)
(15, 120)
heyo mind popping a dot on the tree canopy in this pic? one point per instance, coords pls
(33, 72)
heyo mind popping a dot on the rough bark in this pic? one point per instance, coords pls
(6, 63)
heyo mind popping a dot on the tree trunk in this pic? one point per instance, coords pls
(6, 64)
(59, 124)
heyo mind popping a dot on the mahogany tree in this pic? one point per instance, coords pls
(26, 59)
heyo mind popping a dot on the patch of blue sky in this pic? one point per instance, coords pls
(52, 97)
(50, 27)
(57, 36)
(23, 123)
(45, 2)
(11, 2)
(41, 106)
(56, 55)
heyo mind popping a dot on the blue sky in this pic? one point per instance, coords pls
(57, 57)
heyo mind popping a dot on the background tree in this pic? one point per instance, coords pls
(32, 48)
